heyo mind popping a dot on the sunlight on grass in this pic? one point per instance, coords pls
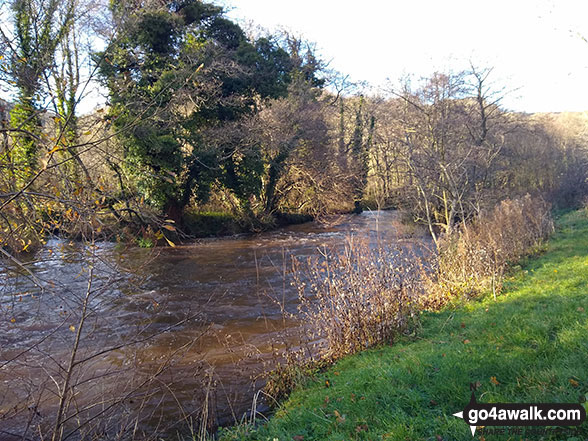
(531, 345)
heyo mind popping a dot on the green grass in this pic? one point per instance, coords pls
(533, 341)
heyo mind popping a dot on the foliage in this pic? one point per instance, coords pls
(294, 144)
(358, 297)
(39, 28)
(444, 149)
(205, 224)
(351, 299)
(367, 294)
(359, 155)
(474, 258)
(410, 390)
(175, 72)
(207, 132)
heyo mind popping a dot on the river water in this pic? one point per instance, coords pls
(205, 320)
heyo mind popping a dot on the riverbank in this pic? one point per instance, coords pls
(219, 224)
(531, 345)
(222, 224)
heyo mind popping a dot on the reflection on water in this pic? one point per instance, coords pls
(223, 291)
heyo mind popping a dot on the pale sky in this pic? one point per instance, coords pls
(536, 47)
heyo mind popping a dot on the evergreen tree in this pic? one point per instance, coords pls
(174, 72)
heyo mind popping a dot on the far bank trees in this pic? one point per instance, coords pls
(446, 150)
(204, 119)
(174, 72)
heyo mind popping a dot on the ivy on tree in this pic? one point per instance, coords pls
(173, 72)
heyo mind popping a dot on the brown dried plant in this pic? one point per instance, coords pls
(474, 258)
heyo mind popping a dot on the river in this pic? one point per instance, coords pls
(206, 319)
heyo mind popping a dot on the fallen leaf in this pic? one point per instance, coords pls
(580, 309)
(72, 328)
(466, 342)
(462, 324)
(298, 438)
(361, 428)
(494, 381)
(574, 382)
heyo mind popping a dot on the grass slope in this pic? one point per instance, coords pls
(529, 346)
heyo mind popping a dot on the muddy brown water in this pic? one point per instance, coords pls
(216, 305)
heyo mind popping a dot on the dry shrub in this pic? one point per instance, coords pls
(364, 294)
(351, 298)
(295, 370)
(358, 297)
(474, 258)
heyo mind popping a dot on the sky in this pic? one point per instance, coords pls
(537, 48)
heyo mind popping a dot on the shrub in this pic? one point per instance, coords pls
(474, 258)
(361, 296)
(351, 298)
(365, 294)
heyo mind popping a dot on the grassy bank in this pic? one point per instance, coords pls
(531, 345)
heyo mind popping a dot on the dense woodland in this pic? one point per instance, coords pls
(212, 129)
(217, 130)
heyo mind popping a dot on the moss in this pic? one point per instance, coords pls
(210, 224)
(214, 224)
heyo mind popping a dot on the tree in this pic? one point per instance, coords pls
(294, 136)
(173, 73)
(39, 27)
(45, 201)
(451, 136)
(360, 149)
(66, 83)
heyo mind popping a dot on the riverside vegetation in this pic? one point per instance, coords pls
(365, 295)
(210, 129)
(526, 345)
